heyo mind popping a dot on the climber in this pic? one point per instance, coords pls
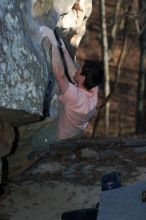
(77, 102)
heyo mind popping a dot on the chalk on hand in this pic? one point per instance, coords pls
(48, 32)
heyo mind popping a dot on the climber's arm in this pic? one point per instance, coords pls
(58, 70)
(57, 65)
(71, 67)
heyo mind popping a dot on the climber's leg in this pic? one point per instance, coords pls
(44, 137)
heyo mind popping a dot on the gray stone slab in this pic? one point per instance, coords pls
(124, 203)
(135, 142)
(140, 149)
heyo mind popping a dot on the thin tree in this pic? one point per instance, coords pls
(106, 63)
(115, 23)
(141, 93)
(119, 69)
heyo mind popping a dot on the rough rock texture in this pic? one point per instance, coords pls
(123, 203)
(22, 79)
(25, 67)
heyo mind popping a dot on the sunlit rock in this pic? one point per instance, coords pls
(41, 7)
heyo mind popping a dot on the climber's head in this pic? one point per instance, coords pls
(90, 75)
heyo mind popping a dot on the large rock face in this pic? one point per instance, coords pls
(25, 67)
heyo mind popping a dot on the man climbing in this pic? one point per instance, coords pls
(77, 102)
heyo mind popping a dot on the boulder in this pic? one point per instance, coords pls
(26, 79)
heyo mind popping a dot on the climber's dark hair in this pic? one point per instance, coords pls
(93, 72)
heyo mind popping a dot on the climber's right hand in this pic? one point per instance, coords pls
(48, 32)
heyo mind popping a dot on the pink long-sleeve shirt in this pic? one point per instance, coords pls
(76, 107)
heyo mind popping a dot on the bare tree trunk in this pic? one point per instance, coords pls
(106, 63)
(116, 23)
(141, 94)
(118, 72)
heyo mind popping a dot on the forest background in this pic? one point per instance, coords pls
(116, 34)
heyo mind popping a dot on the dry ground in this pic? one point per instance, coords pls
(68, 177)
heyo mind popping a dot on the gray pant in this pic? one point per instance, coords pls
(47, 136)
